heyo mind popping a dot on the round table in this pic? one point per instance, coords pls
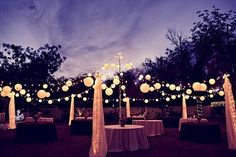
(128, 138)
(192, 120)
(151, 127)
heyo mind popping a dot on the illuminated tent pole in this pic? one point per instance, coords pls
(12, 112)
(184, 107)
(128, 107)
(99, 144)
(230, 113)
(72, 109)
(119, 72)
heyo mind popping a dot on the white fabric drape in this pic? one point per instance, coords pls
(72, 109)
(127, 107)
(12, 112)
(230, 114)
(184, 107)
(99, 144)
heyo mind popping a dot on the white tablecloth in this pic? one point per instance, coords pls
(185, 120)
(151, 127)
(128, 138)
(41, 119)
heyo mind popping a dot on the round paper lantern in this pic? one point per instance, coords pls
(221, 93)
(88, 81)
(45, 86)
(211, 95)
(66, 98)
(65, 88)
(189, 91)
(194, 97)
(146, 101)
(172, 87)
(202, 98)
(3, 94)
(6, 89)
(69, 83)
(28, 99)
(203, 87)
(17, 94)
(22, 91)
(124, 99)
(113, 86)
(106, 66)
(196, 86)
(50, 101)
(148, 77)
(167, 85)
(109, 91)
(123, 87)
(18, 87)
(186, 96)
(41, 94)
(59, 100)
(48, 94)
(212, 81)
(128, 66)
(79, 95)
(177, 88)
(27, 95)
(85, 99)
(113, 66)
(106, 101)
(140, 77)
(157, 100)
(167, 99)
(116, 77)
(144, 88)
(0, 89)
(157, 85)
(210, 91)
(104, 86)
(116, 81)
(151, 89)
(173, 97)
(40, 100)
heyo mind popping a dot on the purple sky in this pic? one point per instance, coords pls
(92, 31)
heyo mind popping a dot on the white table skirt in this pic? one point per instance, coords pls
(186, 120)
(151, 127)
(128, 138)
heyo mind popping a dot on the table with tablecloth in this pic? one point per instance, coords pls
(151, 127)
(193, 120)
(128, 138)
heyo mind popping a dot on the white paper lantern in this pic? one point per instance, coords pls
(189, 91)
(123, 87)
(109, 91)
(167, 85)
(173, 97)
(85, 99)
(172, 87)
(50, 101)
(140, 77)
(40, 100)
(104, 86)
(22, 91)
(28, 99)
(41, 94)
(45, 86)
(88, 81)
(167, 99)
(48, 94)
(124, 99)
(27, 95)
(17, 94)
(144, 88)
(66, 98)
(113, 66)
(106, 66)
(211, 95)
(0, 89)
(177, 88)
(3, 94)
(152, 89)
(202, 98)
(65, 88)
(186, 96)
(212, 81)
(106, 101)
(18, 87)
(113, 86)
(116, 81)
(6, 89)
(79, 95)
(146, 101)
(157, 100)
(69, 83)
(157, 86)
(197, 86)
(148, 77)
(203, 87)
(210, 91)
(221, 93)
(128, 66)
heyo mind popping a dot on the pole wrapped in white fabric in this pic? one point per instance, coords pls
(184, 107)
(99, 143)
(12, 111)
(127, 107)
(230, 113)
(72, 109)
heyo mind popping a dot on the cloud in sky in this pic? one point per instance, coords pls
(93, 31)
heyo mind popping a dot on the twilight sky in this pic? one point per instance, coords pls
(92, 31)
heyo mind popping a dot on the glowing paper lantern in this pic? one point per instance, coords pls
(3, 94)
(128, 66)
(167, 99)
(104, 86)
(197, 86)
(203, 87)
(22, 91)
(221, 93)
(109, 91)
(173, 97)
(186, 96)
(28, 99)
(167, 85)
(212, 81)
(69, 83)
(41, 94)
(50, 101)
(123, 87)
(106, 66)
(28, 95)
(113, 66)
(152, 89)
(144, 88)
(146, 101)
(88, 81)
(106, 101)
(211, 95)
(0, 89)
(17, 94)
(177, 88)
(172, 87)
(202, 98)
(66, 98)
(157, 85)
(45, 86)
(65, 88)
(85, 99)
(113, 86)
(140, 77)
(148, 77)
(40, 100)
(6, 89)
(116, 81)
(18, 87)
(189, 91)
(79, 96)
(210, 91)
(48, 94)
